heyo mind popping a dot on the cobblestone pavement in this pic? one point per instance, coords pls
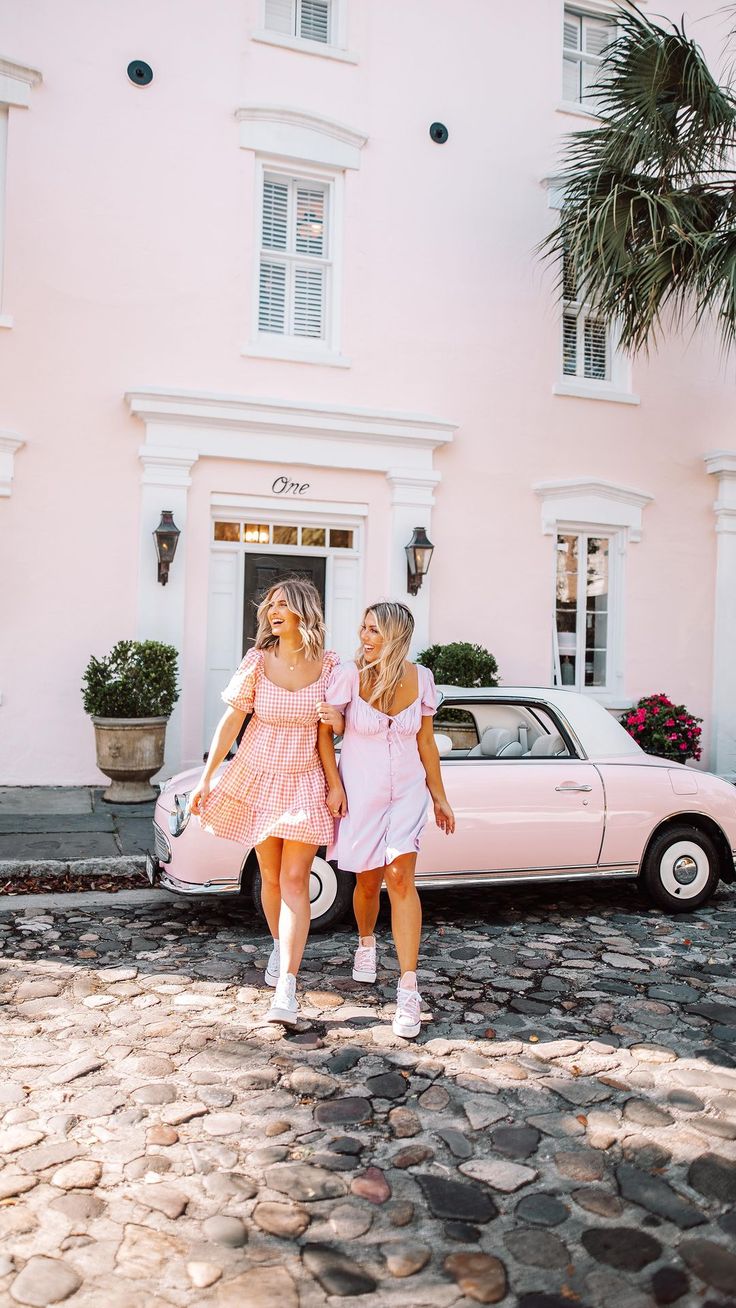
(563, 1132)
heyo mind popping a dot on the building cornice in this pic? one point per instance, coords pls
(279, 130)
(16, 82)
(268, 417)
(590, 500)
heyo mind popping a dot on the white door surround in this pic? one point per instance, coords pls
(226, 588)
(185, 426)
(722, 464)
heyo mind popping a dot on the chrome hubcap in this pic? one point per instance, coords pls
(685, 870)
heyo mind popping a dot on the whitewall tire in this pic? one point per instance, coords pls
(681, 869)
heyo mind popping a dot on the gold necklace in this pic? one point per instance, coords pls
(292, 666)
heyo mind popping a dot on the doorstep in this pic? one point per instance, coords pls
(57, 831)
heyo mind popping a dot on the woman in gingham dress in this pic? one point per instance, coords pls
(281, 793)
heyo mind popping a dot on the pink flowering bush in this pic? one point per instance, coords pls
(664, 728)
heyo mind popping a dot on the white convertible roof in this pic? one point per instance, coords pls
(599, 733)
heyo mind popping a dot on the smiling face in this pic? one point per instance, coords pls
(282, 621)
(371, 640)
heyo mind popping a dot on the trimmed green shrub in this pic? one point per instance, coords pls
(460, 664)
(137, 679)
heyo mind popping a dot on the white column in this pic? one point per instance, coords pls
(411, 506)
(722, 464)
(165, 483)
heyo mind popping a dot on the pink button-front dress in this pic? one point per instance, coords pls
(382, 773)
(275, 785)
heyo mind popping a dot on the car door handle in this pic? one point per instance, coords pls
(572, 785)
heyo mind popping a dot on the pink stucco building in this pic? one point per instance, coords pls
(256, 291)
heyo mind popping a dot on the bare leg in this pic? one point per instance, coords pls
(268, 854)
(366, 900)
(406, 911)
(294, 918)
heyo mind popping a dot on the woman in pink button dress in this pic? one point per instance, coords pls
(281, 792)
(390, 768)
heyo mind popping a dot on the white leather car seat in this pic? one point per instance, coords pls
(496, 742)
(547, 746)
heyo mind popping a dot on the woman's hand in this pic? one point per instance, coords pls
(444, 816)
(198, 797)
(331, 716)
(337, 804)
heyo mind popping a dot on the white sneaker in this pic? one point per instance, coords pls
(364, 963)
(273, 966)
(284, 1007)
(408, 1018)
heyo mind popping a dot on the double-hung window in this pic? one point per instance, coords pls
(309, 20)
(581, 636)
(586, 338)
(585, 38)
(295, 264)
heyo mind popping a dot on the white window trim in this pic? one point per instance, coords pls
(598, 508)
(299, 349)
(612, 689)
(16, 83)
(336, 48)
(10, 443)
(618, 389)
(596, 9)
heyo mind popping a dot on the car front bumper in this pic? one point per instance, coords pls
(159, 875)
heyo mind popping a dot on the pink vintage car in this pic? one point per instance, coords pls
(546, 786)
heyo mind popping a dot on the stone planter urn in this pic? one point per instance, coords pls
(130, 695)
(129, 752)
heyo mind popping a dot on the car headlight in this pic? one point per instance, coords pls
(179, 815)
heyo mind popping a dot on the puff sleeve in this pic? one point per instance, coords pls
(342, 686)
(240, 691)
(428, 691)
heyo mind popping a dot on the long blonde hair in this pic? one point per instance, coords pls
(302, 598)
(380, 680)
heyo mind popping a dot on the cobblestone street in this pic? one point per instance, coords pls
(563, 1131)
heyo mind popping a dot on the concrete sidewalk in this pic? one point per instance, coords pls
(47, 829)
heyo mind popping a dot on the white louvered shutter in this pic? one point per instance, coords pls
(597, 34)
(571, 63)
(309, 302)
(275, 214)
(595, 349)
(310, 221)
(569, 344)
(314, 20)
(272, 298)
(280, 16)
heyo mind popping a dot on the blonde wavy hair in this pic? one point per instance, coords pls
(380, 680)
(302, 598)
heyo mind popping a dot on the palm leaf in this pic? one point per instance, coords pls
(649, 215)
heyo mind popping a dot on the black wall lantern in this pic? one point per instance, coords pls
(418, 558)
(166, 537)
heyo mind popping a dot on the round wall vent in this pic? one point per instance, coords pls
(140, 73)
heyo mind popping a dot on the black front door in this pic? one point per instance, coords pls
(264, 570)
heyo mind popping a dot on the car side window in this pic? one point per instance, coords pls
(494, 730)
(460, 725)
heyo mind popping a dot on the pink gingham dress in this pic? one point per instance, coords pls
(275, 785)
(385, 782)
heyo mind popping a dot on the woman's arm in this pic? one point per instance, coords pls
(225, 733)
(430, 756)
(336, 801)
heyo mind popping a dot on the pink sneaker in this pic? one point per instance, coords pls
(364, 963)
(408, 1017)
